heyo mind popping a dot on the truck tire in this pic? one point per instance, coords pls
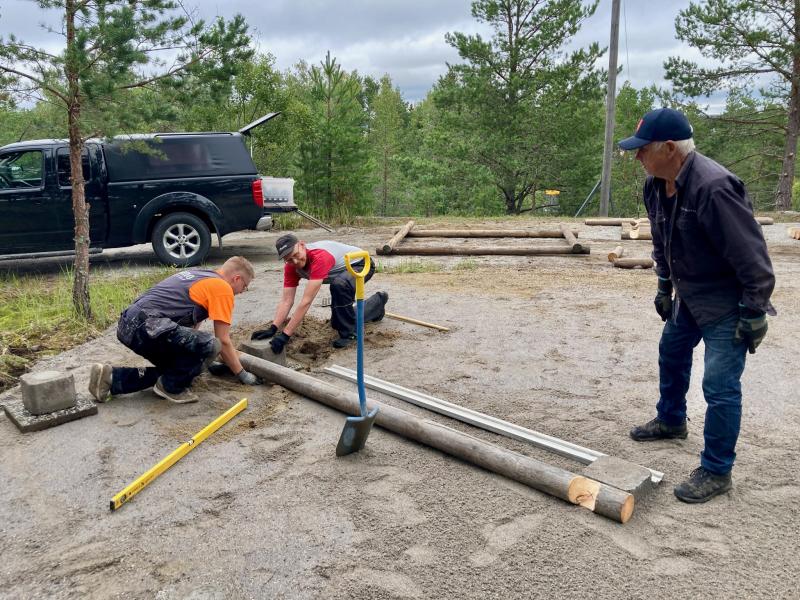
(181, 239)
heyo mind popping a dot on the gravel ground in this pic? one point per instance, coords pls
(264, 509)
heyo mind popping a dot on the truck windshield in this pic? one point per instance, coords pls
(22, 169)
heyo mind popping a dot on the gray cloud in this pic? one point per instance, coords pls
(403, 38)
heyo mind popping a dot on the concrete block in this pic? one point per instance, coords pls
(261, 349)
(25, 421)
(47, 391)
(623, 475)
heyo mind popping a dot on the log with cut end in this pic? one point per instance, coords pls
(615, 253)
(608, 222)
(489, 233)
(633, 263)
(794, 232)
(630, 232)
(486, 250)
(582, 491)
(571, 239)
(396, 239)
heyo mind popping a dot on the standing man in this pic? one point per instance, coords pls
(320, 262)
(161, 325)
(714, 283)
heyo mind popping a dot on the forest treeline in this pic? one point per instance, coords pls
(516, 118)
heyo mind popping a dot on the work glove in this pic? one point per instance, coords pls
(663, 299)
(751, 328)
(264, 334)
(278, 343)
(248, 378)
(218, 369)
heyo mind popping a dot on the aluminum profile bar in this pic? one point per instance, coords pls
(478, 419)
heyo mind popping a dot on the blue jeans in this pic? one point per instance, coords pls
(724, 363)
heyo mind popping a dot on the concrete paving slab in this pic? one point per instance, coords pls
(26, 421)
(624, 475)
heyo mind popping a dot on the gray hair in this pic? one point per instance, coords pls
(684, 146)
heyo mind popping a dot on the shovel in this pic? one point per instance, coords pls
(356, 429)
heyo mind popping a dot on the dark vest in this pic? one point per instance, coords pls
(170, 298)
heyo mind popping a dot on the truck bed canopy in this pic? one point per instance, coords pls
(177, 155)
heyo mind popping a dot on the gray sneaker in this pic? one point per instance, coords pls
(702, 486)
(187, 396)
(100, 382)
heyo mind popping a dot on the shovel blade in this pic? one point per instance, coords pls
(355, 433)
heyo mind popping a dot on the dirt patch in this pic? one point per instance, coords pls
(311, 343)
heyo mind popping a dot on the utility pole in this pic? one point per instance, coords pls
(611, 101)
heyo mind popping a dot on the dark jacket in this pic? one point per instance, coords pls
(706, 240)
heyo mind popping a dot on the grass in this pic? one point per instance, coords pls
(37, 318)
(407, 266)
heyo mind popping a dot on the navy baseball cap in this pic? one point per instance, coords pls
(285, 245)
(659, 125)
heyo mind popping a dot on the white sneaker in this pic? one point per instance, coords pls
(187, 396)
(100, 382)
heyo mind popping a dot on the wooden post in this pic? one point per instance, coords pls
(570, 237)
(486, 250)
(398, 237)
(615, 253)
(593, 495)
(640, 233)
(414, 321)
(632, 263)
(489, 233)
(765, 220)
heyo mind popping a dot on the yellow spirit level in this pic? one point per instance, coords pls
(139, 484)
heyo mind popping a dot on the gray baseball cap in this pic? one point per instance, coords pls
(285, 245)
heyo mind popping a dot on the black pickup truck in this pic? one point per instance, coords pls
(173, 190)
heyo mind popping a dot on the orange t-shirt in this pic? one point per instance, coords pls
(216, 296)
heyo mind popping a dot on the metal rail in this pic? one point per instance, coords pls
(478, 419)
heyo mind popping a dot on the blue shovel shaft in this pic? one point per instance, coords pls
(362, 394)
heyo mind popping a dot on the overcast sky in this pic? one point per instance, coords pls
(404, 38)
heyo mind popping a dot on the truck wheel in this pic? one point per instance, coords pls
(181, 239)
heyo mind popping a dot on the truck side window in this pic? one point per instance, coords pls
(64, 172)
(21, 170)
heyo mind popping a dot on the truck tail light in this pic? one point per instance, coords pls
(258, 193)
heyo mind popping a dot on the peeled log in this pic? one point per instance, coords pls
(608, 222)
(593, 495)
(765, 220)
(486, 250)
(489, 233)
(794, 232)
(632, 263)
(615, 253)
(396, 239)
(570, 237)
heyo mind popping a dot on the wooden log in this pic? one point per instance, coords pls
(489, 233)
(640, 233)
(570, 237)
(794, 232)
(630, 232)
(765, 220)
(605, 221)
(486, 251)
(615, 254)
(414, 321)
(632, 263)
(592, 495)
(396, 239)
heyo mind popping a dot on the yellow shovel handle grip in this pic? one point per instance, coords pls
(355, 257)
